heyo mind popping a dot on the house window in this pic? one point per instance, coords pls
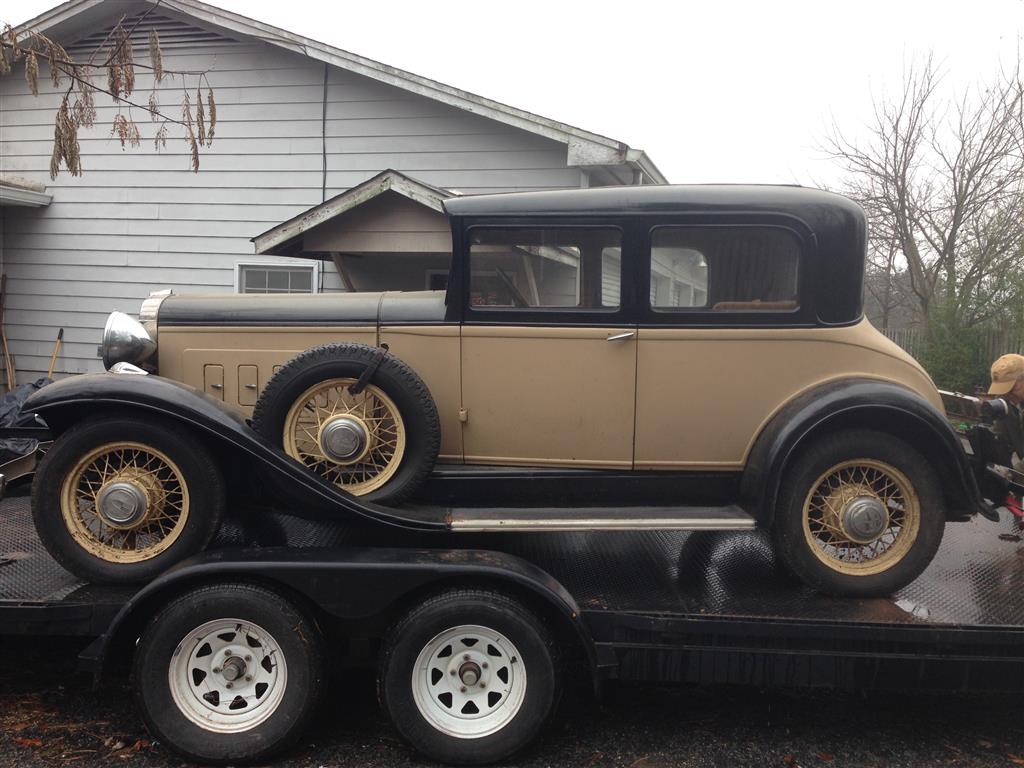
(277, 278)
(529, 268)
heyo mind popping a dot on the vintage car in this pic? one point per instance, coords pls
(676, 357)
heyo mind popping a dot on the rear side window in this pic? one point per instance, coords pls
(566, 268)
(723, 269)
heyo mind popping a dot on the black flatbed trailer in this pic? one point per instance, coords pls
(706, 607)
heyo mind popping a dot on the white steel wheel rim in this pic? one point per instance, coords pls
(202, 667)
(448, 698)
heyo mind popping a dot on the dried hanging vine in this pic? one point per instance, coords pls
(77, 108)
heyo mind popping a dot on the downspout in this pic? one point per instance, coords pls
(323, 137)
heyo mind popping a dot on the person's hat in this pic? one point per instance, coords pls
(1006, 372)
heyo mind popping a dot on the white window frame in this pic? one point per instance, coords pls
(315, 267)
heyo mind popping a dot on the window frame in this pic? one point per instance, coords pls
(568, 316)
(314, 267)
(802, 316)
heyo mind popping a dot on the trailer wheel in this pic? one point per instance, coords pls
(380, 442)
(228, 674)
(469, 677)
(119, 500)
(860, 513)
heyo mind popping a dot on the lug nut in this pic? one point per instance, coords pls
(462, 689)
(248, 678)
(248, 658)
(484, 665)
(229, 685)
(466, 657)
(216, 670)
(451, 672)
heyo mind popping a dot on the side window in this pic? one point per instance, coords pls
(740, 269)
(545, 268)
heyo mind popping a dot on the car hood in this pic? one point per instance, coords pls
(390, 307)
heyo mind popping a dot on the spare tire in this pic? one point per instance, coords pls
(379, 442)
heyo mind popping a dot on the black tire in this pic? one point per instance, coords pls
(298, 641)
(795, 551)
(200, 475)
(397, 380)
(494, 611)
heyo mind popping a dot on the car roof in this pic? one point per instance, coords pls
(813, 206)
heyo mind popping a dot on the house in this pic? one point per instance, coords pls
(319, 153)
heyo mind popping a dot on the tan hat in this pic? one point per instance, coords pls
(1006, 372)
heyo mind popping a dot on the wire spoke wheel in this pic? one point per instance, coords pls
(469, 682)
(355, 441)
(125, 502)
(228, 675)
(861, 517)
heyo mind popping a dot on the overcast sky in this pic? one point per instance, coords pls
(724, 91)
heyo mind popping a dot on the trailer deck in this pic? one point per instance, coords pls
(682, 606)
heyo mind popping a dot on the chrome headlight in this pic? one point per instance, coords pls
(125, 341)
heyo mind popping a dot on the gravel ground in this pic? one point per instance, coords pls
(49, 715)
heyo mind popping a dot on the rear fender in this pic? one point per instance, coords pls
(71, 400)
(859, 404)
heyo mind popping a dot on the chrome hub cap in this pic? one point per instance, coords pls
(122, 503)
(344, 439)
(864, 519)
(469, 682)
(228, 676)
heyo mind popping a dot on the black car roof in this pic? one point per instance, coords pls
(806, 203)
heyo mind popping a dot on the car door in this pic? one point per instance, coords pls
(548, 357)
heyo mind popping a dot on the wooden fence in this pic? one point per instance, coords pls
(993, 341)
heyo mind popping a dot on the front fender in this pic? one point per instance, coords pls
(859, 404)
(68, 401)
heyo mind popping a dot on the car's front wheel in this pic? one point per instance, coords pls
(860, 513)
(121, 499)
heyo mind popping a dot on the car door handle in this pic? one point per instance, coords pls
(621, 336)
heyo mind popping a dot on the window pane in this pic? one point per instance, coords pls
(302, 281)
(526, 268)
(277, 281)
(254, 280)
(744, 269)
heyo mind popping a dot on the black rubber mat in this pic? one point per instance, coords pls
(976, 579)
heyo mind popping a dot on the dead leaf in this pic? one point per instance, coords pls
(984, 744)
(825, 757)
(1015, 759)
(28, 742)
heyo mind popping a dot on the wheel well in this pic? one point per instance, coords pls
(905, 427)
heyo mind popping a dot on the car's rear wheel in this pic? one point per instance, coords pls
(860, 513)
(469, 677)
(379, 440)
(119, 500)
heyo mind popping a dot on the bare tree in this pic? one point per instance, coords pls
(942, 181)
(114, 58)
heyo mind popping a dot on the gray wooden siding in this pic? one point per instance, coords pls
(139, 221)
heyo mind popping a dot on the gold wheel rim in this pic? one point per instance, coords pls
(372, 409)
(156, 477)
(841, 484)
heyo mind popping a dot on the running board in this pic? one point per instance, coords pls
(729, 518)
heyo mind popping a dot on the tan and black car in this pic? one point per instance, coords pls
(606, 359)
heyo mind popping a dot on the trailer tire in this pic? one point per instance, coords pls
(860, 514)
(389, 455)
(157, 497)
(469, 677)
(244, 697)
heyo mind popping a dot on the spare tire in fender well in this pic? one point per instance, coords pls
(858, 404)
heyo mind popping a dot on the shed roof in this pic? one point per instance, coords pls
(278, 240)
(585, 148)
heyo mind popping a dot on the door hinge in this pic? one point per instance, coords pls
(463, 415)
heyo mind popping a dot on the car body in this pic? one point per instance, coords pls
(687, 357)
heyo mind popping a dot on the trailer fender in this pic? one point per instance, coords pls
(69, 401)
(363, 586)
(859, 404)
